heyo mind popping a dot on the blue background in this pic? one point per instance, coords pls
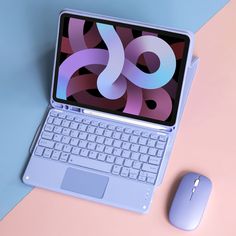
(27, 39)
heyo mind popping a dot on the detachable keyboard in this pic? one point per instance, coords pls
(102, 146)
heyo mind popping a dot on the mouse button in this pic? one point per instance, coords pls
(203, 190)
(196, 182)
(206, 182)
(187, 185)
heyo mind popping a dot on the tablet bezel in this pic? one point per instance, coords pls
(113, 21)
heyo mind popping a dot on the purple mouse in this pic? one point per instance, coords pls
(190, 201)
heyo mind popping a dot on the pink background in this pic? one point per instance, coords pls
(205, 144)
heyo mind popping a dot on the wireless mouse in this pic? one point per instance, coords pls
(190, 201)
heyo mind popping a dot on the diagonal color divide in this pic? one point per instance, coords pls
(24, 80)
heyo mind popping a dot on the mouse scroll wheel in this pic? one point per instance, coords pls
(196, 182)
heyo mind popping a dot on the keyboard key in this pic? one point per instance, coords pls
(102, 156)
(152, 151)
(46, 143)
(86, 121)
(151, 178)
(74, 125)
(154, 136)
(78, 119)
(126, 145)
(91, 129)
(50, 120)
(117, 151)
(70, 117)
(91, 146)
(57, 121)
(151, 143)
(93, 155)
(57, 129)
(143, 149)
(134, 139)
(82, 127)
(56, 155)
(66, 131)
(150, 168)
(74, 141)
(108, 133)
(134, 147)
(100, 148)
(124, 171)
(59, 146)
(83, 136)
(163, 138)
(142, 176)
(100, 139)
(75, 150)
(145, 134)
(65, 123)
(102, 125)
(67, 148)
(91, 137)
(84, 152)
(108, 141)
(119, 160)
(142, 141)
(128, 130)
(116, 135)
(94, 123)
(64, 157)
(99, 131)
(137, 165)
(125, 137)
(111, 127)
(74, 133)
(110, 158)
(128, 162)
(119, 129)
(135, 156)
(57, 137)
(126, 154)
(143, 158)
(160, 145)
(137, 132)
(108, 149)
(47, 153)
(65, 139)
(48, 127)
(53, 113)
(133, 173)
(160, 153)
(62, 115)
(117, 143)
(116, 170)
(47, 135)
(154, 160)
(39, 151)
(83, 143)
(90, 163)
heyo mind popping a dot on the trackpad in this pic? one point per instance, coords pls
(84, 182)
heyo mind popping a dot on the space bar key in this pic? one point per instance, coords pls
(92, 164)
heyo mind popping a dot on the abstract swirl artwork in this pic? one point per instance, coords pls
(119, 69)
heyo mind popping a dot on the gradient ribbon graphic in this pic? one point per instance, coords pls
(113, 69)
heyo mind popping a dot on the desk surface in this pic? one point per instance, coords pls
(202, 145)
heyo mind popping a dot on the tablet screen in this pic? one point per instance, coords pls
(120, 68)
